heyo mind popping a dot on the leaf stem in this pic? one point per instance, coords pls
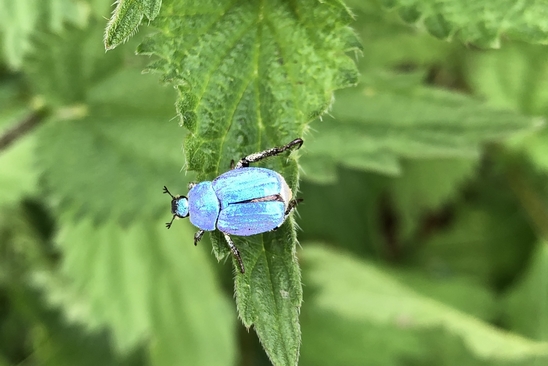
(22, 128)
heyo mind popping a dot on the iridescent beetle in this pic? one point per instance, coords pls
(243, 201)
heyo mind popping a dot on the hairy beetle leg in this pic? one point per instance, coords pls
(253, 158)
(235, 252)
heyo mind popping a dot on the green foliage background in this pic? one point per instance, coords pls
(423, 237)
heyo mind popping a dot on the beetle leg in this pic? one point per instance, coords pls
(235, 252)
(290, 208)
(292, 204)
(231, 164)
(253, 158)
(198, 237)
(190, 185)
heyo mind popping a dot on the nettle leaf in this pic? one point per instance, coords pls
(127, 17)
(20, 19)
(482, 23)
(146, 284)
(250, 76)
(389, 117)
(112, 163)
(107, 149)
(336, 278)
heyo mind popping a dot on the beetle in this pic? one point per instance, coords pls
(243, 201)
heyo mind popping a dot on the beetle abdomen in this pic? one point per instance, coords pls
(203, 206)
(250, 218)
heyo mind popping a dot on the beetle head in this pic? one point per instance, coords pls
(179, 207)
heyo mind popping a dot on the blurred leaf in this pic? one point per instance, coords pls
(145, 282)
(459, 292)
(345, 212)
(108, 148)
(488, 244)
(479, 22)
(425, 185)
(127, 17)
(112, 163)
(516, 76)
(389, 42)
(358, 290)
(526, 303)
(20, 19)
(391, 117)
(63, 68)
(330, 338)
(513, 76)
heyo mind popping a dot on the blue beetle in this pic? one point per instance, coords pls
(243, 201)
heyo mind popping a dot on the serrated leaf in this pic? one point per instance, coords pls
(269, 294)
(144, 283)
(389, 117)
(250, 76)
(482, 23)
(358, 290)
(525, 303)
(112, 164)
(127, 17)
(63, 68)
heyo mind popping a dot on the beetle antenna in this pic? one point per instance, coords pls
(168, 224)
(168, 192)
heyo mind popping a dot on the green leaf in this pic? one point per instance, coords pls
(269, 294)
(525, 304)
(389, 117)
(482, 23)
(358, 290)
(388, 42)
(63, 68)
(113, 163)
(127, 17)
(250, 76)
(515, 77)
(144, 284)
(425, 185)
(20, 19)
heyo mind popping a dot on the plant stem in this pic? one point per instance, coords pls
(22, 128)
